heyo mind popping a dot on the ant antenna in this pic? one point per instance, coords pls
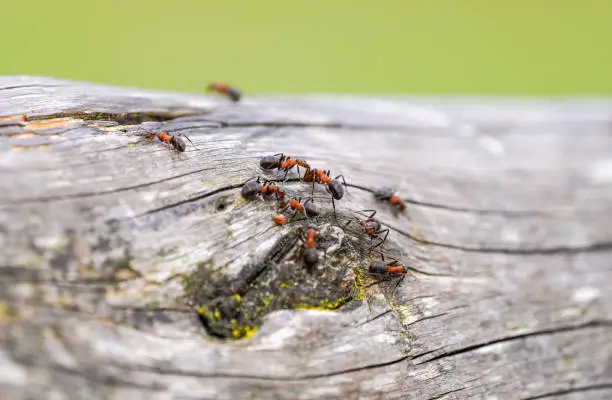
(185, 136)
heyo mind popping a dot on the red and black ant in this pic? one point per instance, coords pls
(254, 188)
(372, 227)
(309, 207)
(233, 94)
(310, 253)
(388, 195)
(333, 186)
(175, 141)
(282, 163)
(388, 270)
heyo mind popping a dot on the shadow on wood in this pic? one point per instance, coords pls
(112, 244)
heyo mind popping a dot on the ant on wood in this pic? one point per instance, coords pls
(282, 163)
(175, 141)
(254, 188)
(371, 227)
(388, 195)
(309, 207)
(232, 93)
(333, 186)
(310, 254)
(388, 270)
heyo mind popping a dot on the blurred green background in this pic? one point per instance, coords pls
(351, 46)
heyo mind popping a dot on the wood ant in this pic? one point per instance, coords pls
(388, 270)
(309, 208)
(333, 186)
(310, 254)
(175, 141)
(282, 163)
(388, 195)
(371, 227)
(254, 188)
(232, 93)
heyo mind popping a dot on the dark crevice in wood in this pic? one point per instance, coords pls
(425, 319)
(589, 325)
(39, 85)
(555, 250)
(578, 389)
(447, 393)
(480, 211)
(127, 118)
(374, 318)
(193, 374)
(189, 200)
(103, 192)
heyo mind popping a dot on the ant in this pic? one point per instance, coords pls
(233, 94)
(388, 270)
(333, 186)
(309, 208)
(372, 227)
(310, 254)
(388, 195)
(175, 141)
(254, 188)
(282, 163)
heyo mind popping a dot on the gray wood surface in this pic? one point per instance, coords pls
(108, 242)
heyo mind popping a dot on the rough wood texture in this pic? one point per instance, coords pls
(508, 229)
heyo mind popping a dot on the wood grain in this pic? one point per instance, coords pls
(507, 234)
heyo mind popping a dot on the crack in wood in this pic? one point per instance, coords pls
(306, 377)
(189, 200)
(599, 247)
(577, 389)
(588, 325)
(374, 318)
(439, 396)
(425, 319)
(103, 192)
(479, 211)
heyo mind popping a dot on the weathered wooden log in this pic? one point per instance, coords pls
(128, 269)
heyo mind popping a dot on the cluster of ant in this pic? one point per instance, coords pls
(176, 141)
(369, 226)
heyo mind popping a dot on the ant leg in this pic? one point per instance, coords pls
(386, 231)
(364, 213)
(185, 136)
(347, 224)
(335, 215)
(397, 285)
(343, 182)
